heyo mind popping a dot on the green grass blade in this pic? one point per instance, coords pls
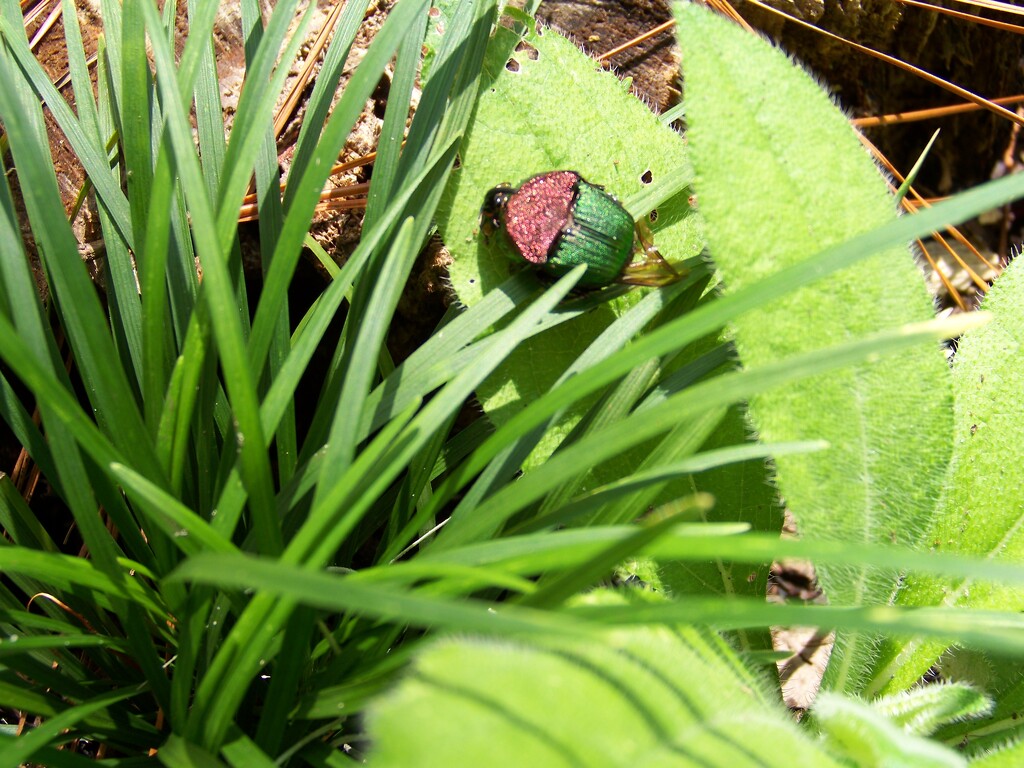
(268, 195)
(392, 132)
(47, 370)
(657, 475)
(303, 192)
(93, 158)
(243, 752)
(179, 752)
(221, 301)
(254, 118)
(323, 590)
(184, 527)
(67, 572)
(20, 751)
(241, 654)
(137, 117)
(446, 354)
(288, 672)
(156, 323)
(991, 630)
(198, 64)
(554, 591)
(722, 390)
(83, 319)
(324, 87)
(442, 405)
(18, 522)
(370, 323)
(443, 355)
(519, 445)
(124, 304)
(451, 92)
(311, 332)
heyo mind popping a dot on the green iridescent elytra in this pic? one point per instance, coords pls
(558, 220)
(600, 234)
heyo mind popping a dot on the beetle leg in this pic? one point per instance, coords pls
(645, 237)
(650, 274)
(651, 269)
(650, 251)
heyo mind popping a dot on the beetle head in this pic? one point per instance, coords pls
(493, 209)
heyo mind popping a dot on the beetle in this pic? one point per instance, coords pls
(558, 220)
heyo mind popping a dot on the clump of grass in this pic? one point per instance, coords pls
(253, 587)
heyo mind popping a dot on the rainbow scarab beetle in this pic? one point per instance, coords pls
(557, 220)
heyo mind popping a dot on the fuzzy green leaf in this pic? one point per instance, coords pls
(982, 510)
(546, 106)
(866, 738)
(1002, 680)
(1009, 756)
(781, 176)
(628, 701)
(922, 710)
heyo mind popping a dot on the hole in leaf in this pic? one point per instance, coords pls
(531, 53)
(647, 177)
(512, 65)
